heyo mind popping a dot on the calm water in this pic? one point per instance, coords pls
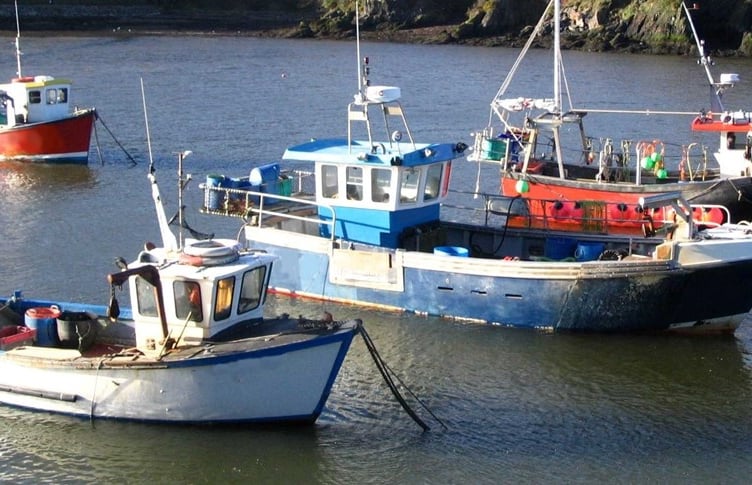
(518, 405)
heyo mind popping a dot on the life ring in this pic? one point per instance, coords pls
(193, 260)
(24, 79)
(212, 248)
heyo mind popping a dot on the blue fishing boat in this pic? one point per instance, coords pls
(366, 225)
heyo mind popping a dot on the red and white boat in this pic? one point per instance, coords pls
(597, 185)
(38, 123)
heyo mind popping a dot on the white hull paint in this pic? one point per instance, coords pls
(285, 383)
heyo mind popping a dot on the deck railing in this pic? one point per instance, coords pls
(264, 209)
(261, 208)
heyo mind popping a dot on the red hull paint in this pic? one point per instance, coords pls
(65, 140)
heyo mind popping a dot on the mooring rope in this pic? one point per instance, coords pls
(94, 391)
(387, 374)
(99, 117)
(99, 150)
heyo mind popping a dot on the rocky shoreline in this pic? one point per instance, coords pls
(145, 20)
(54, 19)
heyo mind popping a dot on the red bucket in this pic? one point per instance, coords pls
(44, 321)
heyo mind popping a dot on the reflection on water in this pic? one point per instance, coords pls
(21, 178)
(51, 175)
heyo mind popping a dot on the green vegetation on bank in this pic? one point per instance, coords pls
(655, 26)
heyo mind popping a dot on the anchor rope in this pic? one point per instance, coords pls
(388, 374)
(99, 118)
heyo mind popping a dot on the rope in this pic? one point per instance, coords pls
(387, 374)
(94, 392)
(99, 151)
(99, 117)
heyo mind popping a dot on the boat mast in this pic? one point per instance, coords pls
(168, 238)
(557, 86)
(706, 62)
(18, 43)
(557, 58)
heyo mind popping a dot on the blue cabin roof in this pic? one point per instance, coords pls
(338, 150)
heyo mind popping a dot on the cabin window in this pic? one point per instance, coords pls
(35, 97)
(731, 141)
(187, 300)
(381, 181)
(147, 299)
(252, 289)
(409, 185)
(223, 299)
(433, 182)
(355, 183)
(329, 181)
(57, 95)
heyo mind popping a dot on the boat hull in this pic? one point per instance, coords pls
(240, 381)
(599, 296)
(66, 140)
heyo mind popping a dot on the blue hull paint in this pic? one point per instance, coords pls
(639, 302)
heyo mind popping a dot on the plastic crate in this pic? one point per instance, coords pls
(16, 336)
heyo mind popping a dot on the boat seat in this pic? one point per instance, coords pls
(50, 353)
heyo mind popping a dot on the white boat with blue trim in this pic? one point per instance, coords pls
(365, 226)
(194, 348)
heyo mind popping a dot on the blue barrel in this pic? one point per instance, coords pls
(241, 183)
(214, 198)
(588, 251)
(451, 251)
(266, 177)
(559, 247)
(44, 321)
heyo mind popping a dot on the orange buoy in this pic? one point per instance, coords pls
(712, 214)
(619, 212)
(577, 211)
(560, 210)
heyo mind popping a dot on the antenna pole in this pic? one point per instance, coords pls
(168, 238)
(146, 120)
(18, 43)
(181, 155)
(357, 49)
